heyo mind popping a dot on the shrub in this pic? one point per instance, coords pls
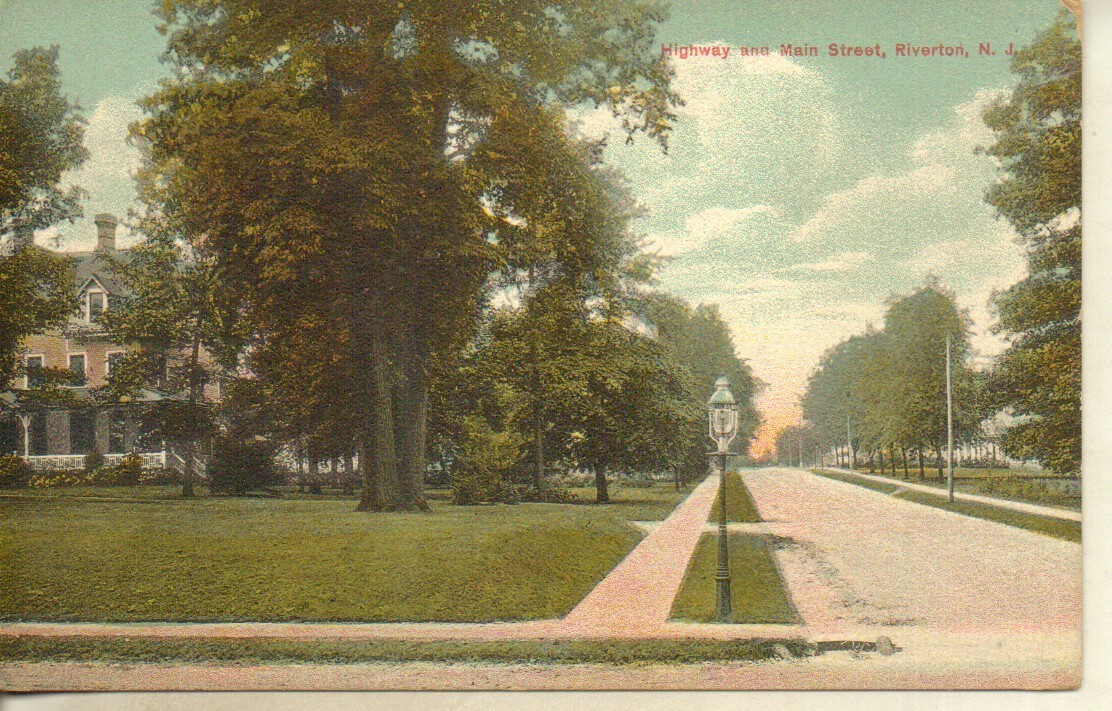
(159, 477)
(547, 495)
(14, 472)
(486, 462)
(127, 472)
(238, 466)
(93, 460)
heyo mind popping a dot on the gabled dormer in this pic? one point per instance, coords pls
(94, 298)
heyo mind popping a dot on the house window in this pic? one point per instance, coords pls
(109, 358)
(95, 303)
(77, 368)
(34, 365)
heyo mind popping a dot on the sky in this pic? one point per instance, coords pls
(798, 193)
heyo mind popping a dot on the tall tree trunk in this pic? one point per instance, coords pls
(919, 456)
(907, 471)
(300, 454)
(938, 459)
(602, 494)
(349, 475)
(384, 490)
(188, 471)
(880, 455)
(535, 390)
(314, 473)
(413, 411)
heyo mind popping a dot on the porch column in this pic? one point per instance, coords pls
(102, 428)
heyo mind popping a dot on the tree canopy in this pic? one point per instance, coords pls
(40, 139)
(888, 387)
(367, 168)
(1037, 133)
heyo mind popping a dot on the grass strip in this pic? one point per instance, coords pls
(624, 651)
(1053, 527)
(739, 504)
(757, 594)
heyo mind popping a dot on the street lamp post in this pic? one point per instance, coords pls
(849, 436)
(722, 410)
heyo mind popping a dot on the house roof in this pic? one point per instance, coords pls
(145, 396)
(89, 266)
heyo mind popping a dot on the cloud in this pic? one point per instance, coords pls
(758, 207)
(109, 173)
(839, 263)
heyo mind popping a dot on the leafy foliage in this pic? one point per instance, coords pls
(365, 168)
(240, 465)
(1038, 143)
(40, 138)
(888, 387)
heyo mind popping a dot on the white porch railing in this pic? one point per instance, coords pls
(48, 462)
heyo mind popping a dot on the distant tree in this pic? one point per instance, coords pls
(913, 392)
(1038, 143)
(40, 139)
(888, 387)
(699, 340)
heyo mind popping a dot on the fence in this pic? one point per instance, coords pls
(51, 462)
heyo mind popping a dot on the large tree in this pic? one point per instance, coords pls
(173, 309)
(350, 161)
(40, 139)
(1038, 145)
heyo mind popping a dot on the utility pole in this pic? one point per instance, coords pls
(849, 438)
(949, 426)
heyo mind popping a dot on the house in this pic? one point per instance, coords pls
(59, 436)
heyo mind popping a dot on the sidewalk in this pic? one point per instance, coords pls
(1048, 511)
(638, 593)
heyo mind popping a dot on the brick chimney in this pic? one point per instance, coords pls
(22, 236)
(106, 231)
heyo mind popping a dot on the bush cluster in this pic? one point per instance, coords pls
(241, 465)
(129, 472)
(14, 472)
(486, 464)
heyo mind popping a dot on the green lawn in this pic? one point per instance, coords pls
(1015, 484)
(637, 503)
(757, 592)
(619, 651)
(739, 505)
(1053, 527)
(275, 559)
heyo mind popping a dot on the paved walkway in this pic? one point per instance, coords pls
(1006, 663)
(1049, 511)
(638, 594)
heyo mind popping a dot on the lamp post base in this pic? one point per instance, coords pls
(722, 576)
(723, 611)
